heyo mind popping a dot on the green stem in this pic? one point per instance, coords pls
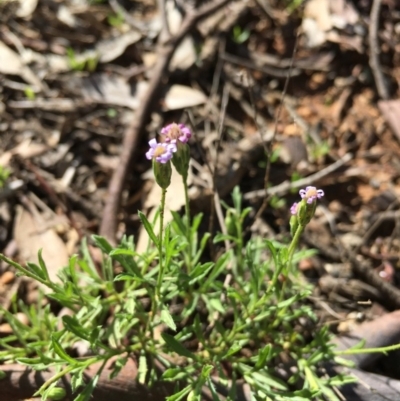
(355, 351)
(295, 242)
(189, 237)
(65, 371)
(292, 248)
(160, 249)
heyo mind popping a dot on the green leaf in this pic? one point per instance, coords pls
(344, 362)
(121, 251)
(178, 223)
(167, 318)
(36, 270)
(33, 363)
(60, 351)
(175, 374)
(128, 277)
(177, 347)
(118, 365)
(214, 393)
(72, 325)
(206, 371)
(148, 227)
(199, 272)
(263, 356)
(273, 251)
(72, 269)
(220, 265)
(223, 237)
(77, 379)
(264, 379)
(179, 395)
(216, 304)
(234, 348)
(94, 335)
(142, 369)
(193, 396)
(43, 266)
(287, 302)
(130, 306)
(102, 243)
(86, 394)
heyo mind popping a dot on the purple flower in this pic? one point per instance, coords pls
(293, 209)
(161, 152)
(311, 194)
(174, 132)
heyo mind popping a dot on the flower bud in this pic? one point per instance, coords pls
(181, 159)
(162, 173)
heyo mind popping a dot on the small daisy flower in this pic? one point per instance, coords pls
(174, 132)
(311, 194)
(293, 209)
(161, 152)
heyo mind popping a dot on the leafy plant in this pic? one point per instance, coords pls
(85, 62)
(190, 319)
(240, 35)
(116, 20)
(4, 174)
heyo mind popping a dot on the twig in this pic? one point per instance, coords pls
(165, 52)
(374, 51)
(287, 186)
(258, 66)
(390, 294)
(165, 32)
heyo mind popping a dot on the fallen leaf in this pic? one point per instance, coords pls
(391, 111)
(180, 97)
(112, 90)
(11, 63)
(32, 232)
(110, 49)
(26, 8)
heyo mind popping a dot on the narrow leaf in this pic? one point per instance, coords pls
(60, 351)
(177, 347)
(178, 396)
(72, 325)
(168, 319)
(148, 228)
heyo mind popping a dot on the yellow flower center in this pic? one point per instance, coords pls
(160, 150)
(311, 192)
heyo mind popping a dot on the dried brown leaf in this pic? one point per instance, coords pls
(180, 97)
(32, 232)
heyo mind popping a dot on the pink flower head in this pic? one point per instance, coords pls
(161, 152)
(311, 194)
(174, 132)
(293, 208)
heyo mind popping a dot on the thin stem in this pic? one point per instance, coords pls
(294, 243)
(291, 250)
(160, 248)
(355, 351)
(188, 230)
